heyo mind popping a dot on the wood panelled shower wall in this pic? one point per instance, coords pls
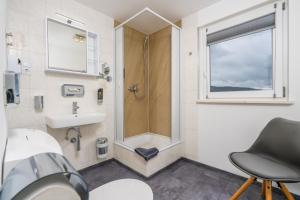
(160, 82)
(136, 106)
(149, 110)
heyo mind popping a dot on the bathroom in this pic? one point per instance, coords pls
(135, 113)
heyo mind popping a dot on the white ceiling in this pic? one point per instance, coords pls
(173, 10)
(146, 22)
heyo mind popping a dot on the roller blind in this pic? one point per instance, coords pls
(264, 22)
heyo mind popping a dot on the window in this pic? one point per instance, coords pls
(242, 64)
(244, 56)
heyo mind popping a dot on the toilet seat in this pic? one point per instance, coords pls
(127, 189)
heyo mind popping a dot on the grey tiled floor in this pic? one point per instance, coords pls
(184, 180)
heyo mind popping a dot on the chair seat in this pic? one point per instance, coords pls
(265, 167)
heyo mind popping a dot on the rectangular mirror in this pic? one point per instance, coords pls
(67, 47)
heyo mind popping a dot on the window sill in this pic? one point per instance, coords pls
(246, 101)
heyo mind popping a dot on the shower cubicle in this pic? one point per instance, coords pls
(147, 89)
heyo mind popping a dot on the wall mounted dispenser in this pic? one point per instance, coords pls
(9, 39)
(70, 90)
(38, 103)
(12, 88)
(14, 64)
(100, 96)
(105, 72)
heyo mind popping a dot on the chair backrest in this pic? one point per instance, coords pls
(280, 139)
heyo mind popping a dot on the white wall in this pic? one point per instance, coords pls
(26, 20)
(213, 131)
(3, 126)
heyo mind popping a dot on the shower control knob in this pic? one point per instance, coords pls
(133, 88)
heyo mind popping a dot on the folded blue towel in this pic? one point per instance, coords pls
(147, 154)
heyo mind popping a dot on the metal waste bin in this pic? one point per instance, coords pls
(102, 147)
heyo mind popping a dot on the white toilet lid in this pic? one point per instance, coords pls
(123, 189)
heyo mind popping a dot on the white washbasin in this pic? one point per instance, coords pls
(23, 143)
(63, 121)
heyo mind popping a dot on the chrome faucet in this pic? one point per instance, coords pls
(75, 108)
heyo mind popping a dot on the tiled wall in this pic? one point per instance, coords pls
(2, 68)
(26, 20)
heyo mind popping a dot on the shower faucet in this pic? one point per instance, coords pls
(75, 108)
(133, 88)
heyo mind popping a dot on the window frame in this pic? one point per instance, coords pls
(280, 54)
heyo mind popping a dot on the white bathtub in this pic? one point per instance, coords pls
(169, 152)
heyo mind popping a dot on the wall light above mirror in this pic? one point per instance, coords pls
(71, 49)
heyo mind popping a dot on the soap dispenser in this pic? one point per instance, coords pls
(12, 80)
(100, 96)
(12, 85)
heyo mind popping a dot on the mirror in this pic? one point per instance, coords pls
(67, 47)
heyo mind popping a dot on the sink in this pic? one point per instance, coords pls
(71, 120)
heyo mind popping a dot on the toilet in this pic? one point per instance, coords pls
(127, 189)
(130, 189)
(57, 178)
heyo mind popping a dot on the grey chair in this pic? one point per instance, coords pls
(274, 157)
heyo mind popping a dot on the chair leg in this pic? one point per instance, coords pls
(285, 191)
(268, 190)
(243, 188)
(263, 188)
